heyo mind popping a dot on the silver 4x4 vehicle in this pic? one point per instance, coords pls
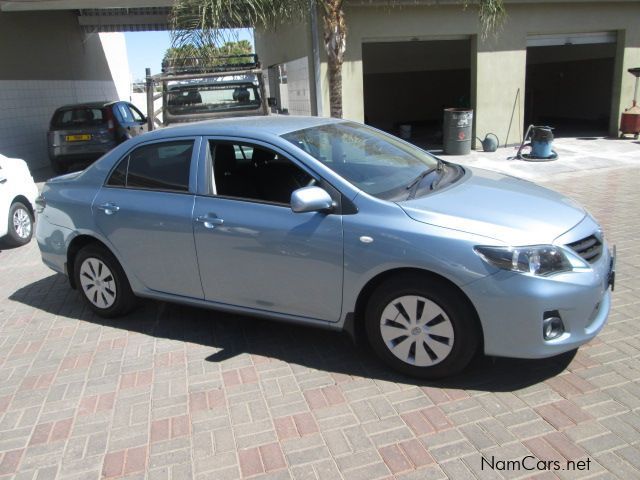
(192, 91)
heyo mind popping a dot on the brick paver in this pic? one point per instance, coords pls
(175, 392)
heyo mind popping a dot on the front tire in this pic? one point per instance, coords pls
(20, 227)
(102, 282)
(420, 326)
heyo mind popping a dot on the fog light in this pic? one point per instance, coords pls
(552, 326)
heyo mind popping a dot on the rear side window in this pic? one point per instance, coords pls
(160, 166)
(79, 117)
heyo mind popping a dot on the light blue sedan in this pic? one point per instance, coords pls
(333, 224)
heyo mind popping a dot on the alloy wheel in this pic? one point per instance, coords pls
(417, 331)
(97, 283)
(22, 223)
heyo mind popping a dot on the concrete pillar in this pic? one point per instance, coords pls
(498, 66)
(627, 56)
(353, 95)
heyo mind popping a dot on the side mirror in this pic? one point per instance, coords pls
(310, 199)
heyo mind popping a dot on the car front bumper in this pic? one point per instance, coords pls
(512, 306)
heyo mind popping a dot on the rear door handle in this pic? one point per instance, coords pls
(3, 180)
(209, 221)
(109, 208)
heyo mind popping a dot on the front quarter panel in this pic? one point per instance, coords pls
(396, 241)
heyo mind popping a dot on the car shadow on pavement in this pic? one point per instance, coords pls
(4, 246)
(228, 335)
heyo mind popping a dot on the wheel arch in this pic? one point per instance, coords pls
(357, 329)
(77, 244)
(25, 201)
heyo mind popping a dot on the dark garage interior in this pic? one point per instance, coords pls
(411, 82)
(569, 87)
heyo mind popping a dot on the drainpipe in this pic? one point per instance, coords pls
(315, 52)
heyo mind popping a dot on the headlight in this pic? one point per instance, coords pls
(535, 260)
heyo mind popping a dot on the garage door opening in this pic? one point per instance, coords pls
(410, 83)
(569, 86)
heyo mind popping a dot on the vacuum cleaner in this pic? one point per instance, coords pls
(540, 140)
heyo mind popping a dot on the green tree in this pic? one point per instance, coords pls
(208, 55)
(201, 23)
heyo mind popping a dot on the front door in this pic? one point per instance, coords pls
(144, 211)
(253, 251)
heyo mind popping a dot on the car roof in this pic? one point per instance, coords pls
(98, 104)
(254, 125)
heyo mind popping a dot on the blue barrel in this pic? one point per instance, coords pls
(541, 142)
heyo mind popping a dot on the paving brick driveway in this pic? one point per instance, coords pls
(175, 392)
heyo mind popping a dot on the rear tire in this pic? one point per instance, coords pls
(20, 226)
(420, 326)
(102, 282)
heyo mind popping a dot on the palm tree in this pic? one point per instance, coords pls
(201, 23)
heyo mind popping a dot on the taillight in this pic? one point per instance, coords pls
(41, 203)
(111, 121)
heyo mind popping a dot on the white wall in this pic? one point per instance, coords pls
(115, 51)
(58, 64)
(298, 94)
(26, 107)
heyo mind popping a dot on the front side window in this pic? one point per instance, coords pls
(159, 166)
(125, 113)
(375, 162)
(254, 173)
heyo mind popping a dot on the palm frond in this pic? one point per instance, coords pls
(491, 13)
(207, 22)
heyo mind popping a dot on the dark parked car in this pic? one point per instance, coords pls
(84, 132)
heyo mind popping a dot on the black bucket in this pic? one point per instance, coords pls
(457, 131)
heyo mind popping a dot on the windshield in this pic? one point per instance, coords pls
(212, 98)
(375, 162)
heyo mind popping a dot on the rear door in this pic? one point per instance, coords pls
(132, 122)
(139, 125)
(144, 210)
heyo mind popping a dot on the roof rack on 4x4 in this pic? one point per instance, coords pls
(195, 88)
(223, 63)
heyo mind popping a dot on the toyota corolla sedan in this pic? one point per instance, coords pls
(333, 224)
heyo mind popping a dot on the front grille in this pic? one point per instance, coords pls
(589, 248)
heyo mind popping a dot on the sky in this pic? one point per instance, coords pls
(146, 49)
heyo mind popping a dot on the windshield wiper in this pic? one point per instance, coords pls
(415, 183)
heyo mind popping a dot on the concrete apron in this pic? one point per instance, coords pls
(574, 156)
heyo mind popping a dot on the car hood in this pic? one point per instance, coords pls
(505, 208)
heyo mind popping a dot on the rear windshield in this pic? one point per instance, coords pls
(212, 99)
(78, 117)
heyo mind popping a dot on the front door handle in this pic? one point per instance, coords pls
(3, 180)
(109, 208)
(209, 221)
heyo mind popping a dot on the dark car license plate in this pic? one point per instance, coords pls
(77, 138)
